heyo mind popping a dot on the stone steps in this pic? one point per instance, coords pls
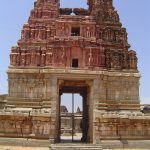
(76, 146)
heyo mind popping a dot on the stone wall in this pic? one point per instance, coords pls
(28, 90)
(117, 91)
(3, 100)
(123, 88)
(27, 123)
(107, 91)
(121, 126)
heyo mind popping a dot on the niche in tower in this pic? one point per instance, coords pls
(75, 31)
(75, 63)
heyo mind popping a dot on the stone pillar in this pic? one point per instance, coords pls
(95, 99)
(90, 99)
(85, 119)
(54, 109)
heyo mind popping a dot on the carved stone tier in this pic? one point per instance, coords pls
(48, 38)
(62, 56)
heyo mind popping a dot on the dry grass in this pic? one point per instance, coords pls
(22, 148)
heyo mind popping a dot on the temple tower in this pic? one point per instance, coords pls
(86, 53)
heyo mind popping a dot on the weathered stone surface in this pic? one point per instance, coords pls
(3, 100)
(101, 41)
(89, 55)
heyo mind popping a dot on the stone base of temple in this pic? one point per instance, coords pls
(41, 125)
(79, 146)
(25, 123)
(126, 144)
(122, 126)
(112, 106)
(24, 143)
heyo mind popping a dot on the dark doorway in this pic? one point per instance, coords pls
(75, 63)
(73, 117)
(75, 31)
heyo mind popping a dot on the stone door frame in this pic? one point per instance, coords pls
(77, 82)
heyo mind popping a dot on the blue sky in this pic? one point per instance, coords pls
(134, 15)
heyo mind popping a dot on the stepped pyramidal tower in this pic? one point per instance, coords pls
(86, 53)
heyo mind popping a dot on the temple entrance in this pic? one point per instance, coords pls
(73, 114)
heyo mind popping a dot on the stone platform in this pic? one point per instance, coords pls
(126, 144)
(23, 142)
(76, 146)
(32, 144)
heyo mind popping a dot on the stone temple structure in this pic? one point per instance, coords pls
(66, 123)
(86, 53)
